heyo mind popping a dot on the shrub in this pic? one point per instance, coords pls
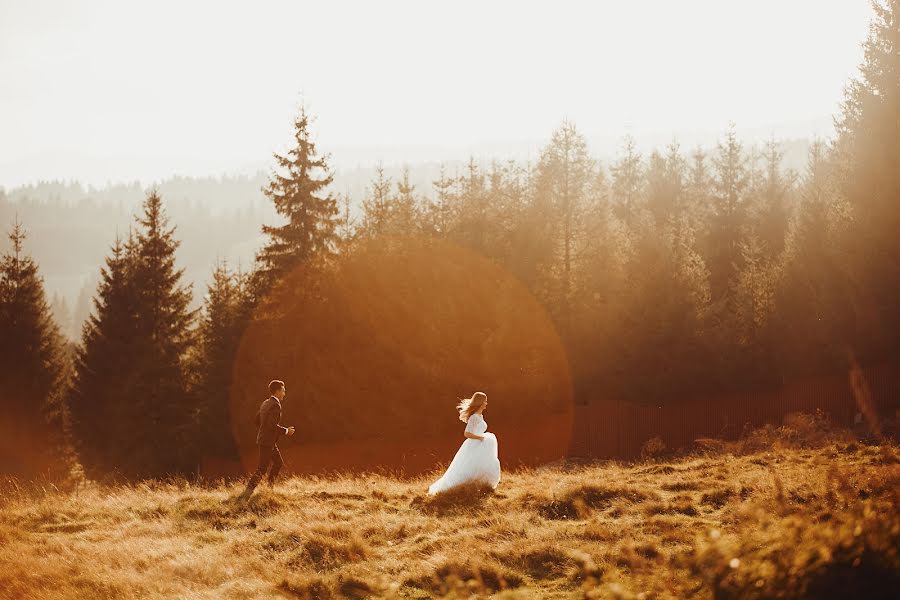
(653, 448)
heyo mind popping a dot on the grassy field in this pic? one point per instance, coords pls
(776, 515)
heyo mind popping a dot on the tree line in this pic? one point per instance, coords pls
(665, 277)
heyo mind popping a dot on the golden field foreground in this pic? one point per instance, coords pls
(776, 515)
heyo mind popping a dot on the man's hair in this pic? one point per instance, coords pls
(275, 385)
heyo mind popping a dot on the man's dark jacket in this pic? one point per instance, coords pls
(268, 420)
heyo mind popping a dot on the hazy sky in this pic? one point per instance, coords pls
(112, 90)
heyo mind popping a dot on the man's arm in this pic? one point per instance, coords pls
(277, 424)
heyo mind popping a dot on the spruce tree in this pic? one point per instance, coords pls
(406, 206)
(772, 209)
(440, 213)
(300, 195)
(346, 229)
(105, 367)
(225, 315)
(698, 191)
(868, 157)
(564, 175)
(628, 182)
(133, 414)
(473, 201)
(33, 372)
(660, 199)
(391, 209)
(728, 223)
(161, 412)
(377, 210)
(814, 311)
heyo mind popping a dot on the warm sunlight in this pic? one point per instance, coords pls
(501, 299)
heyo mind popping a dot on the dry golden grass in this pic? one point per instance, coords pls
(735, 523)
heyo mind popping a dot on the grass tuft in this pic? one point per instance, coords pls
(580, 502)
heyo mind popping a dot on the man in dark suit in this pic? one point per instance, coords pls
(268, 420)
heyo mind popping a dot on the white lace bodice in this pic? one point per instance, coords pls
(476, 424)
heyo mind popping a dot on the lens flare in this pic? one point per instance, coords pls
(377, 347)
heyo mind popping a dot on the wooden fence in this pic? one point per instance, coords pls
(602, 429)
(618, 429)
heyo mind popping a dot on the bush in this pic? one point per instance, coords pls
(653, 448)
(800, 430)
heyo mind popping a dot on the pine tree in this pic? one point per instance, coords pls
(377, 209)
(440, 216)
(473, 227)
(627, 183)
(33, 372)
(665, 186)
(565, 174)
(225, 315)
(755, 289)
(749, 322)
(728, 222)
(598, 302)
(869, 162)
(406, 206)
(346, 229)
(161, 409)
(300, 197)
(132, 412)
(773, 211)
(105, 366)
(813, 307)
(699, 191)
(507, 204)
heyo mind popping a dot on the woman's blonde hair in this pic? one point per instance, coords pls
(468, 406)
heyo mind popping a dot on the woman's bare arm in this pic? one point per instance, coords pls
(473, 436)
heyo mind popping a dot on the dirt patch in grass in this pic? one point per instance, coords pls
(540, 563)
(679, 507)
(307, 588)
(718, 498)
(580, 502)
(683, 486)
(213, 509)
(326, 549)
(454, 577)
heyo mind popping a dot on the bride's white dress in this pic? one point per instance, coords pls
(475, 462)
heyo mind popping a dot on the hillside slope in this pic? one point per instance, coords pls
(736, 522)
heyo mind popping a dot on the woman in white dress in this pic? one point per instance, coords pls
(476, 460)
